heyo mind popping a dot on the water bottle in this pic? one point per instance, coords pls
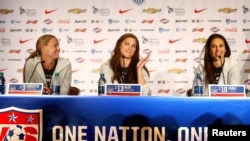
(198, 84)
(56, 86)
(101, 85)
(2, 83)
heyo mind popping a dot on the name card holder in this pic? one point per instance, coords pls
(123, 90)
(226, 90)
(25, 88)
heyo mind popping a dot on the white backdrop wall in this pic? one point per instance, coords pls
(174, 30)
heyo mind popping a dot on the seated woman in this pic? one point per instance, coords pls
(218, 67)
(125, 65)
(46, 62)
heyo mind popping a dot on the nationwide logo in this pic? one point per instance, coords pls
(247, 41)
(98, 41)
(121, 11)
(196, 11)
(49, 11)
(173, 41)
(20, 124)
(21, 41)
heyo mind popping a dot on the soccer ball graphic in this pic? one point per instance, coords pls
(15, 133)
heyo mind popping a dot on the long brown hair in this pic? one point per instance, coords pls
(115, 63)
(208, 61)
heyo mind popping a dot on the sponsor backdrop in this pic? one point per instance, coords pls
(91, 118)
(173, 31)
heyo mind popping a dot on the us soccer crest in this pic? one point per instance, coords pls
(20, 124)
(138, 2)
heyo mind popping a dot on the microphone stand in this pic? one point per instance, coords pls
(35, 69)
(222, 70)
(123, 69)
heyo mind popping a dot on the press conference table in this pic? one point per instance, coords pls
(91, 117)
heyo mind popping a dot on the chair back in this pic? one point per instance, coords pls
(73, 91)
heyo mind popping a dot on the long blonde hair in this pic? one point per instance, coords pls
(42, 40)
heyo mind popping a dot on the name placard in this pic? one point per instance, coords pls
(25, 88)
(226, 90)
(123, 90)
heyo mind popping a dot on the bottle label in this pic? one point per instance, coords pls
(101, 90)
(2, 89)
(55, 90)
(198, 90)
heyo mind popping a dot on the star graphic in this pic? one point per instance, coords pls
(12, 117)
(30, 119)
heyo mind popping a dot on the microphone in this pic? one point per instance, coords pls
(222, 70)
(123, 69)
(43, 61)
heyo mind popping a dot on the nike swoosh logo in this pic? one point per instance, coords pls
(98, 41)
(49, 11)
(75, 70)
(200, 10)
(247, 41)
(172, 41)
(23, 41)
(124, 11)
(3, 69)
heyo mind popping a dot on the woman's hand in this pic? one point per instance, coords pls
(47, 91)
(142, 62)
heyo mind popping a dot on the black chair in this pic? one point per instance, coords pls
(74, 91)
(189, 92)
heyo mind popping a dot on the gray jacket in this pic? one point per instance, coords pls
(63, 68)
(108, 74)
(231, 74)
